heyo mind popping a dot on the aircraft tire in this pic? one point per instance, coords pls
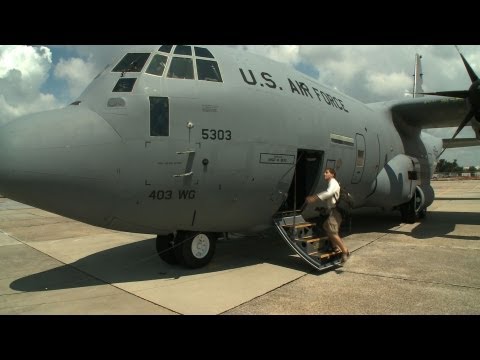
(195, 249)
(408, 212)
(165, 248)
(422, 214)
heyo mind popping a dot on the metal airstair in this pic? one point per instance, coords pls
(299, 235)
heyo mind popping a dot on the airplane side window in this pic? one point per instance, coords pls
(183, 50)
(166, 48)
(159, 117)
(202, 52)
(132, 62)
(181, 68)
(124, 85)
(157, 65)
(208, 70)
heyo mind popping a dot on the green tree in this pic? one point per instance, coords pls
(455, 166)
(441, 165)
(446, 166)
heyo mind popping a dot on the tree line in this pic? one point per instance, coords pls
(444, 166)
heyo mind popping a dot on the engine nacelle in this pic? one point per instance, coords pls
(396, 183)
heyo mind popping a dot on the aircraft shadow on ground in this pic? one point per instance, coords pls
(139, 261)
(436, 224)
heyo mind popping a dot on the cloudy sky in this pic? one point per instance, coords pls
(36, 78)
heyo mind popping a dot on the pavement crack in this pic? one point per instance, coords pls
(412, 280)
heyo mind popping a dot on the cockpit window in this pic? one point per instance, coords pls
(208, 70)
(132, 62)
(124, 85)
(157, 66)
(181, 68)
(159, 117)
(166, 48)
(202, 52)
(183, 50)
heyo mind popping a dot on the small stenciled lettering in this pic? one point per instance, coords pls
(170, 194)
(266, 158)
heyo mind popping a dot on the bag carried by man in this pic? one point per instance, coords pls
(344, 203)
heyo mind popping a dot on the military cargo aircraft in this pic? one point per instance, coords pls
(191, 142)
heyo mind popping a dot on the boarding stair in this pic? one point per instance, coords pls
(303, 238)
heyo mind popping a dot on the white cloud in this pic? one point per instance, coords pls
(100, 56)
(77, 72)
(32, 62)
(23, 70)
(387, 84)
(349, 68)
(282, 53)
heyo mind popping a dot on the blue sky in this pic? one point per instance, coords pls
(44, 77)
(54, 85)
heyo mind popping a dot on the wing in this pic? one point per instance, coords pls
(434, 113)
(427, 113)
(462, 142)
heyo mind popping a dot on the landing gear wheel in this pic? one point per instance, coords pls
(195, 249)
(408, 212)
(165, 248)
(422, 214)
(412, 210)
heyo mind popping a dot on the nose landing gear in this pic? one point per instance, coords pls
(191, 249)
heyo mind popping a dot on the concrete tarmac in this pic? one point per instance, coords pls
(53, 265)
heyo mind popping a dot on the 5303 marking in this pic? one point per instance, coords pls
(214, 134)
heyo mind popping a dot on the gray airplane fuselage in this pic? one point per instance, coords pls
(228, 160)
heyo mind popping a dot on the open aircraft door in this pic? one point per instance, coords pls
(308, 166)
(298, 233)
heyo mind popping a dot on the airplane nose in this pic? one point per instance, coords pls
(61, 161)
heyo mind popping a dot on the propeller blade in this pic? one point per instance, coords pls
(462, 94)
(470, 71)
(464, 122)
